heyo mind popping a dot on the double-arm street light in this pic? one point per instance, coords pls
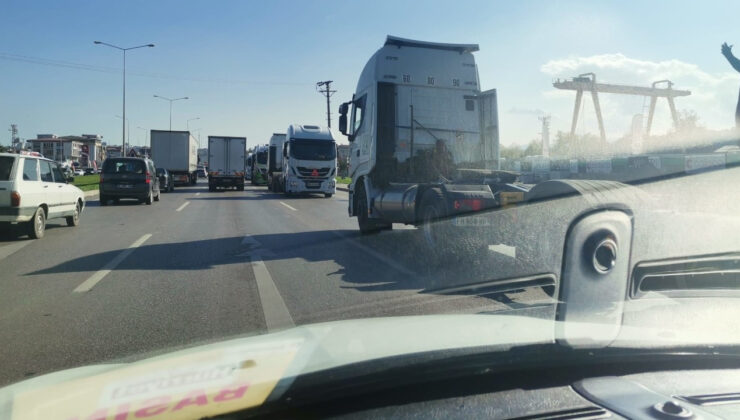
(123, 135)
(171, 101)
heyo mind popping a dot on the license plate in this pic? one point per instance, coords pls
(313, 184)
(125, 186)
(471, 221)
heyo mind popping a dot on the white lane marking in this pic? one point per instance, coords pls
(277, 316)
(88, 284)
(509, 251)
(11, 249)
(183, 206)
(288, 206)
(376, 254)
(197, 194)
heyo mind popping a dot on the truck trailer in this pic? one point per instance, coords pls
(424, 142)
(309, 160)
(176, 151)
(227, 162)
(275, 162)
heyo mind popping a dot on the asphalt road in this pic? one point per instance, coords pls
(200, 266)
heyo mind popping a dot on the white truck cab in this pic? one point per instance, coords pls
(423, 137)
(34, 189)
(309, 160)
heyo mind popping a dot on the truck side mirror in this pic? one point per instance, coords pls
(343, 108)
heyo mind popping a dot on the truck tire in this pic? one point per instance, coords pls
(240, 187)
(366, 224)
(103, 200)
(37, 226)
(270, 185)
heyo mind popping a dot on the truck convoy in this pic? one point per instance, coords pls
(309, 160)
(259, 165)
(275, 162)
(423, 138)
(176, 151)
(227, 162)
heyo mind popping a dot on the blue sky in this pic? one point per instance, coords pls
(250, 68)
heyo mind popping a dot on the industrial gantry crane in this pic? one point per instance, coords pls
(587, 82)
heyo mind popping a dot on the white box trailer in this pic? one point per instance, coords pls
(226, 162)
(176, 151)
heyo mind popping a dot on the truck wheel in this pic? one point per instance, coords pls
(270, 185)
(431, 211)
(240, 188)
(37, 226)
(74, 220)
(103, 200)
(366, 224)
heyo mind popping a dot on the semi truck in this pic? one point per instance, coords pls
(424, 142)
(250, 165)
(176, 151)
(227, 162)
(275, 162)
(309, 160)
(259, 165)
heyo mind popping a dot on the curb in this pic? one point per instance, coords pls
(91, 194)
(346, 189)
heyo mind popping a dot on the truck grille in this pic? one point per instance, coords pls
(309, 172)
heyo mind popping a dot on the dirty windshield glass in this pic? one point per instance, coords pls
(448, 176)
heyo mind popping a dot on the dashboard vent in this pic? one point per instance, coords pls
(714, 399)
(582, 413)
(696, 276)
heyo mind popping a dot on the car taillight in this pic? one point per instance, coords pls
(15, 199)
(466, 204)
(148, 177)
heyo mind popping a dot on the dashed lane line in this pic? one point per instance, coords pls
(88, 284)
(12, 248)
(183, 206)
(288, 206)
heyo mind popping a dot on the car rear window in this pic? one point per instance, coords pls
(123, 167)
(6, 165)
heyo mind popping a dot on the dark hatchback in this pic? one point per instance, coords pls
(128, 178)
(166, 181)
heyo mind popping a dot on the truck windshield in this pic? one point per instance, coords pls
(313, 150)
(262, 157)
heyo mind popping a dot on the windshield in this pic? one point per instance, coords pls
(123, 167)
(262, 157)
(312, 149)
(542, 166)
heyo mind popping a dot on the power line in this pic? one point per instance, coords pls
(114, 70)
(326, 92)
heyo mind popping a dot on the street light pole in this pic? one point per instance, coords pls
(187, 123)
(127, 125)
(123, 125)
(171, 101)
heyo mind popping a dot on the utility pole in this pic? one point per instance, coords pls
(326, 92)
